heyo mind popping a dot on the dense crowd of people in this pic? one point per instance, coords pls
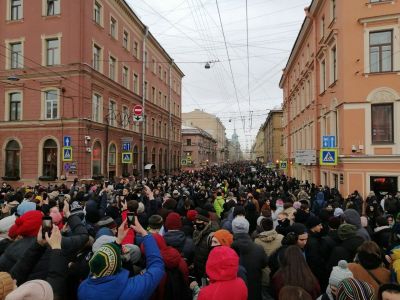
(234, 232)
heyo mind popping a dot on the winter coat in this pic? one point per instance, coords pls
(382, 237)
(253, 259)
(351, 216)
(270, 241)
(219, 205)
(315, 258)
(360, 273)
(319, 203)
(222, 268)
(201, 250)
(346, 250)
(14, 252)
(120, 286)
(182, 243)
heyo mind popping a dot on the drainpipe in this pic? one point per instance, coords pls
(144, 61)
(169, 118)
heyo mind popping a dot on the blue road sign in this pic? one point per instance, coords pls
(126, 146)
(67, 153)
(67, 141)
(126, 157)
(328, 157)
(329, 141)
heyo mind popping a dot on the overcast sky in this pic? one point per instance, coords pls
(190, 31)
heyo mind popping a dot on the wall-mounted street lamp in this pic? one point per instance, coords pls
(13, 78)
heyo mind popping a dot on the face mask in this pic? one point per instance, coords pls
(199, 226)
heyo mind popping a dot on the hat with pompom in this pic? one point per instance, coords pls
(340, 272)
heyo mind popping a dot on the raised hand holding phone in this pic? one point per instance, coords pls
(54, 240)
(122, 232)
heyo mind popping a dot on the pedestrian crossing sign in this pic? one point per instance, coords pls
(283, 164)
(67, 154)
(328, 157)
(126, 157)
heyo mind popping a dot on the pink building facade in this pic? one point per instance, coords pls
(342, 79)
(72, 73)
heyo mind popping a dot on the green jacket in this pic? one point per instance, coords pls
(219, 205)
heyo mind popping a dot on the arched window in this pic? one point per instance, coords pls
(135, 157)
(159, 167)
(153, 156)
(96, 159)
(12, 159)
(112, 155)
(50, 158)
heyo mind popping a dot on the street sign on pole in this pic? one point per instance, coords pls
(328, 157)
(67, 141)
(67, 154)
(138, 110)
(126, 157)
(283, 165)
(329, 141)
(126, 146)
(138, 118)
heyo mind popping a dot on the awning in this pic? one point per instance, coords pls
(149, 166)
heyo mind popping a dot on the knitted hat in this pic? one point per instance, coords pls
(313, 221)
(55, 215)
(155, 222)
(298, 228)
(240, 225)
(24, 207)
(224, 237)
(102, 240)
(191, 215)
(28, 225)
(106, 261)
(352, 289)
(32, 290)
(338, 212)
(6, 284)
(340, 272)
(131, 253)
(107, 222)
(173, 222)
(334, 222)
(238, 210)
(346, 231)
(203, 215)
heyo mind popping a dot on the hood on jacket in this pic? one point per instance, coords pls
(175, 238)
(268, 236)
(222, 264)
(171, 257)
(320, 197)
(351, 216)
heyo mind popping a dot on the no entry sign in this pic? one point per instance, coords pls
(138, 110)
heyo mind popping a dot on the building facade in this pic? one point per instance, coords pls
(257, 149)
(213, 126)
(234, 150)
(72, 73)
(272, 133)
(199, 148)
(342, 80)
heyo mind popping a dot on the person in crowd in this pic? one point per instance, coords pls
(353, 289)
(351, 216)
(389, 291)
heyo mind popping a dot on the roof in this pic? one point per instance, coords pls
(196, 131)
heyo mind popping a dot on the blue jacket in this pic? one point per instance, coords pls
(120, 286)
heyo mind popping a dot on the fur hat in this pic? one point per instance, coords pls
(6, 284)
(106, 261)
(340, 272)
(240, 225)
(32, 290)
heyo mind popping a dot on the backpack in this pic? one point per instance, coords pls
(175, 286)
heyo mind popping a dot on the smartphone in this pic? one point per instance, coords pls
(131, 218)
(47, 226)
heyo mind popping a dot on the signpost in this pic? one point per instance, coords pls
(283, 164)
(306, 157)
(329, 141)
(328, 157)
(67, 141)
(138, 118)
(126, 157)
(126, 146)
(67, 154)
(138, 110)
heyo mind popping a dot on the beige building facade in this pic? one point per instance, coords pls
(272, 134)
(342, 79)
(211, 124)
(257, 150)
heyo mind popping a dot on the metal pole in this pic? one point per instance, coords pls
(169, 118)
(144, 62)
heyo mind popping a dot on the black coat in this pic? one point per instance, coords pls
(316, 260)
(14, 252)
(201, 251)
(383, 237)
(346, 250)
(253, 259)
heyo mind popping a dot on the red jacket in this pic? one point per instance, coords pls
(222, 267)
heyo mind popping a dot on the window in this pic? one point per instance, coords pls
(113, 27)
(136, 49)
(322, 27)
(188, 142)
(112, 155)
(125, 77)
(145, 90)
(136, 84)
(382, 123)
(159, 129)
(112, 65)
(153, 94)
(146, 60)
(322, 69)
(16, 55)
(111, 113)
(15, 106)
(333, 67)
(50, 159)
(153, 127)
(159, 98)
(125, 117)
(165, 102)
(97, 57)
(154, 66)
(13, 153)
(125, 40)
(97, 12)
(333, 9)
(16, 10)
(52, 52)
(160, 72)
(381, 51)
(165, 76)
(51, 104)
(96, 108)
(96, 159)
(53, 7)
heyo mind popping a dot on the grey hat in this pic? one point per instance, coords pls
(133, 255)
(240, 225)
(102, 240)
